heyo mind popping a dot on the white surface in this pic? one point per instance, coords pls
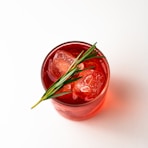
(29, 29)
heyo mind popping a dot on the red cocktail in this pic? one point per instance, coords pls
(87, 93)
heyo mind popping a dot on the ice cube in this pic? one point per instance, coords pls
(89, 86)
(52, 71)
(62, 61)
(59, 64)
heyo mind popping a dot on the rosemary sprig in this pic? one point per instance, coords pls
(68, 76)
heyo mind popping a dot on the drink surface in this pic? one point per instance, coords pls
(83, 90)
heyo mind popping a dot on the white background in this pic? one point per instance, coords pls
(29, 29)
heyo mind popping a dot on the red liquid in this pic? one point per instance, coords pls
(88, 92)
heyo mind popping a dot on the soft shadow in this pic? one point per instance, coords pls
(119, 108)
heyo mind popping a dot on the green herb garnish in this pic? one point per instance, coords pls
(68, 77)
